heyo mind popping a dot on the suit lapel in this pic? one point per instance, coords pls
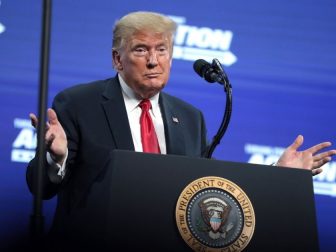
(116, 114)
(173, 126)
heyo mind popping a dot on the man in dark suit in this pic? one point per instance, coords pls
(88, 121)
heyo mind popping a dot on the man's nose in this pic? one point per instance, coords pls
(152, 59)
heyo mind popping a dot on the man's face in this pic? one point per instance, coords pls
(144, 62)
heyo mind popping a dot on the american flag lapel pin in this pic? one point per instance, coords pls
(175, 119)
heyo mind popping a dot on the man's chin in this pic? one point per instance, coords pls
(151, 90)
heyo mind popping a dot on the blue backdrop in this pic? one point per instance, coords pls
(279, 55)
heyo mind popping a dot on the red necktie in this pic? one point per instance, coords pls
(148, 136)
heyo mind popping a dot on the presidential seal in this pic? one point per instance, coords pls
(214, 214)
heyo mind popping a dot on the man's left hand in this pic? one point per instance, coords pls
(308, 159)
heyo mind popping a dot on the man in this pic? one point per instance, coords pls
(88, 121)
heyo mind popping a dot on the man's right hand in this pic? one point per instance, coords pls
(55, 137)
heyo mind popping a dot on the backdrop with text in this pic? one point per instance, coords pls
(280, 58)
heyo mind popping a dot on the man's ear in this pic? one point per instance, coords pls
(116, 60)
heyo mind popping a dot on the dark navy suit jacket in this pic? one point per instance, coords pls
(95, 120)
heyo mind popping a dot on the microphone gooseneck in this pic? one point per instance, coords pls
(215, 73)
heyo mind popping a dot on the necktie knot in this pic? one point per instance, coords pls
(145, 105)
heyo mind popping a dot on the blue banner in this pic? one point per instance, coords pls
(279, 55)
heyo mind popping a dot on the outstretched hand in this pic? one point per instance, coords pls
(308, 159)
(55, 137)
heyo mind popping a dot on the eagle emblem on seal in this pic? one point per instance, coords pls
(215, 212)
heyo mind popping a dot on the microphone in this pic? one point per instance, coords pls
(207, 71)
(215, 73)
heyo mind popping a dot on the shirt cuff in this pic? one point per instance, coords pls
(55, 168)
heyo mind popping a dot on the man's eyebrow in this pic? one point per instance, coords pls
(162, 44)
(140, 44)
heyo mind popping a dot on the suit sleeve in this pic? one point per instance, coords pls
(65, 111)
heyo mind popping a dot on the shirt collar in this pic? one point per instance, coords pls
(132, 101)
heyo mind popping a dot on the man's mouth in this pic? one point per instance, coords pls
(152, 75)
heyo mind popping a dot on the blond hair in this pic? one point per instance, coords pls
(140, 21)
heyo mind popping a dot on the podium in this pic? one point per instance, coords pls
(144, 189)
(140, 193)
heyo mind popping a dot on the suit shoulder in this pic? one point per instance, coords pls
(177, 102)
(85, 89)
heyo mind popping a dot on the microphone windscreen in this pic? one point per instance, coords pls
(201, 66)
